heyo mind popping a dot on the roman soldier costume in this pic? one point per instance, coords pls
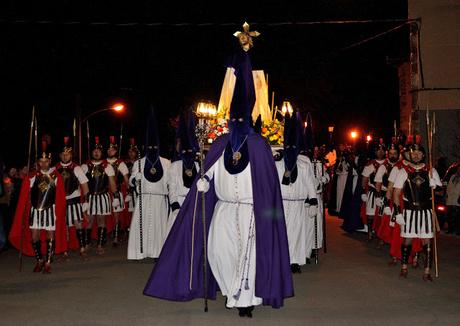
(73, 176)
(98, 172)
(415, 216)
(369, 197)
(121, 175)
(41, 207)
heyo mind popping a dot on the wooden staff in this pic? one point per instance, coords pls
(32, 123)
(434, 219)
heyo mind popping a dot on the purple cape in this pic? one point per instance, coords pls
(170, 278)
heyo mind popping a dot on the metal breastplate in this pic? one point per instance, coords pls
(98, 179)
(118, 176)
(417, 191)
(43, 192)
(71, 182)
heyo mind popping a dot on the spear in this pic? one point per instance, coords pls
(28, 168)
(74, 128)
(434, 219)
(87, 139)
(121, 137)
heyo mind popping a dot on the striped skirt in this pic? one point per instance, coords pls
(43, 219)
(370, 204)
(74, 214)
(418, 224)
(120, 208)
(99, 204)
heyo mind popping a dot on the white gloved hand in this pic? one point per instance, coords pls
(85, 207)
(202, 185)
(378, 202)
(400, 219)
(128, 198)
(312, 211)
(116, 203)
(387, 211)
(433, 183)
(323, 179)
(364, 197)
(138, 176)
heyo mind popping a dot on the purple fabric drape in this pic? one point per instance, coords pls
(171, 275)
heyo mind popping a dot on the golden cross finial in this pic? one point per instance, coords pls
(245, 37)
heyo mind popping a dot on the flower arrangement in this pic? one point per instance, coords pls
(273, 132)
(217, 128)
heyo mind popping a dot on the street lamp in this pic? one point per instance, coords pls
(331, 130)
(117, 107)
(354, 135)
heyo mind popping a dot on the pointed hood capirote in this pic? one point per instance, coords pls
(153, 170)
(292, 139)
(187, 147)
(243, 100)
(308, 143)
(185, 133)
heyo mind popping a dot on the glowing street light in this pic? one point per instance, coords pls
(368, 138)
(354, 134)
(117, 107)
(330, 129)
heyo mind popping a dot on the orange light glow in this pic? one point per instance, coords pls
(354, 134)
(368, 138)
(118, 107)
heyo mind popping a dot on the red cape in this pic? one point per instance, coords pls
(21, 220)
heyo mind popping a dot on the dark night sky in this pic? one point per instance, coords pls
(172, 67)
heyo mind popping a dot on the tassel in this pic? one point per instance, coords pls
(237, 295)
(246, 285)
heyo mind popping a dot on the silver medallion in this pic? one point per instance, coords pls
(236, 156)
(153, 170)
(287, 174)
(188, 172)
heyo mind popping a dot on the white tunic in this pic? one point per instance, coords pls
(370, 202)
(232, 236)
(300, 227)
(341, 182)
(321, 179)
(154, 214)
(177, 190)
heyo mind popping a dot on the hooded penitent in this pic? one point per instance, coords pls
(178, 275)
(187, 147)
(153, 171)
(292, 142)
(307, 144)
(243, 100)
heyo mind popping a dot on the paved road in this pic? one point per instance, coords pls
(352, 285)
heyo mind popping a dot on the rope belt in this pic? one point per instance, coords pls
(235, 202)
